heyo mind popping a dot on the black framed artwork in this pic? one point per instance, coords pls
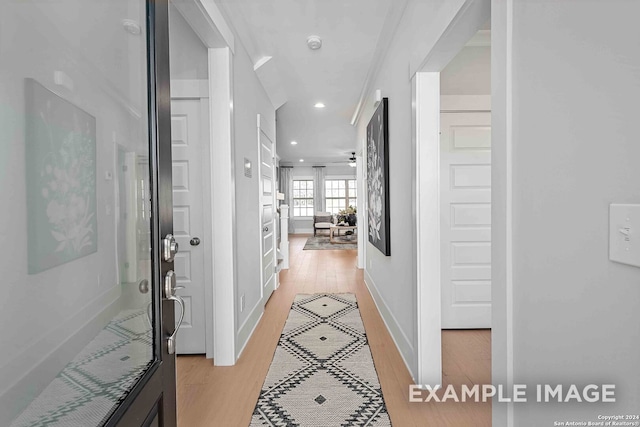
(378, 178)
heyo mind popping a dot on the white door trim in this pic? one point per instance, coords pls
(426, 90)
(264, 127)
(199, 89)
(209, 24)
(222, 296)
(205, 18)
(469, 16)
(502, 333)
(456, 23)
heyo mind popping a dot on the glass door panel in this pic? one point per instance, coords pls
(78, 301)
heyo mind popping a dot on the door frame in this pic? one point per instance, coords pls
(263, 127)
(205, 18)
(198, 89)
(460, 19)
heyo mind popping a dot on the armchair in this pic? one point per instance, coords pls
(322, 221)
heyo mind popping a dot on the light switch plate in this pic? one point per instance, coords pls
(247, 168)
(624, 234)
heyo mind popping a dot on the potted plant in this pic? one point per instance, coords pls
(348, 215)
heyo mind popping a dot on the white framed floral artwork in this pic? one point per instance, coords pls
(60, 155)
(378, 178)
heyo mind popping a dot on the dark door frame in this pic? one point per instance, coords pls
(152, 401)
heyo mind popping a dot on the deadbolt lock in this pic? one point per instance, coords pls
(169, 248)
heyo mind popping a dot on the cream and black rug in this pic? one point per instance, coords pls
(322, 373)
(323, 243)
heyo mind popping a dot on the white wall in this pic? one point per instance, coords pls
(250, 99)
(392, 279)
(188, 53)
(469, 73)
(575, 148)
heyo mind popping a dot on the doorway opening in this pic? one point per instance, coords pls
(191, 180)
(201, 59)
(465, 212)
(453, 169)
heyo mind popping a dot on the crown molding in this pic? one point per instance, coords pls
(207, 21)
(455, 24)
(389, 29)
(241, 29)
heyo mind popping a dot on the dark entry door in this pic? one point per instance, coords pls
(88, 305)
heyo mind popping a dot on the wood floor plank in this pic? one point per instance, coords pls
(226, 396)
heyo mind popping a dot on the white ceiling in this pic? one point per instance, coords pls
(335, 74)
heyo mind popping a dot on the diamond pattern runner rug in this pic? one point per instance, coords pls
(322, 373)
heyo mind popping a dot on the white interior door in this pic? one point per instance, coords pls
(267, 201)
(465, 177)
(187, 141)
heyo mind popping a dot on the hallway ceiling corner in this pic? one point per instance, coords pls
(355, 37)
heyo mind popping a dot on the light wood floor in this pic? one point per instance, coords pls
(225, 396)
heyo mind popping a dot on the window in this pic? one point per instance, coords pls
(340, 193)
(302, 198)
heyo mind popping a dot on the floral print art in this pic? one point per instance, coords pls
(61, 179)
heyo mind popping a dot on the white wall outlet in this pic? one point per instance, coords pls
(241, 303)
(624, 234)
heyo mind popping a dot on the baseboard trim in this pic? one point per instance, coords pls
(403, 344)
(248, 328)
(303, 231)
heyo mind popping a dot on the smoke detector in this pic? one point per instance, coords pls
(314, 42)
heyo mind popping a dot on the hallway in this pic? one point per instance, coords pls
(226, 396)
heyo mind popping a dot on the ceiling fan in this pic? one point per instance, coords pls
(352, 160)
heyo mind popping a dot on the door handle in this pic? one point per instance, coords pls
(143, 286)
(169, 294)
(265, 229)
(171, 339)
(195, 241)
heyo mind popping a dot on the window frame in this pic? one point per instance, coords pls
(347, 199)
(293, 206)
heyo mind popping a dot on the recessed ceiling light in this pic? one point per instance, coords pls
(314, 42)
(301, 160)
(319, 105)
(294, 142)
